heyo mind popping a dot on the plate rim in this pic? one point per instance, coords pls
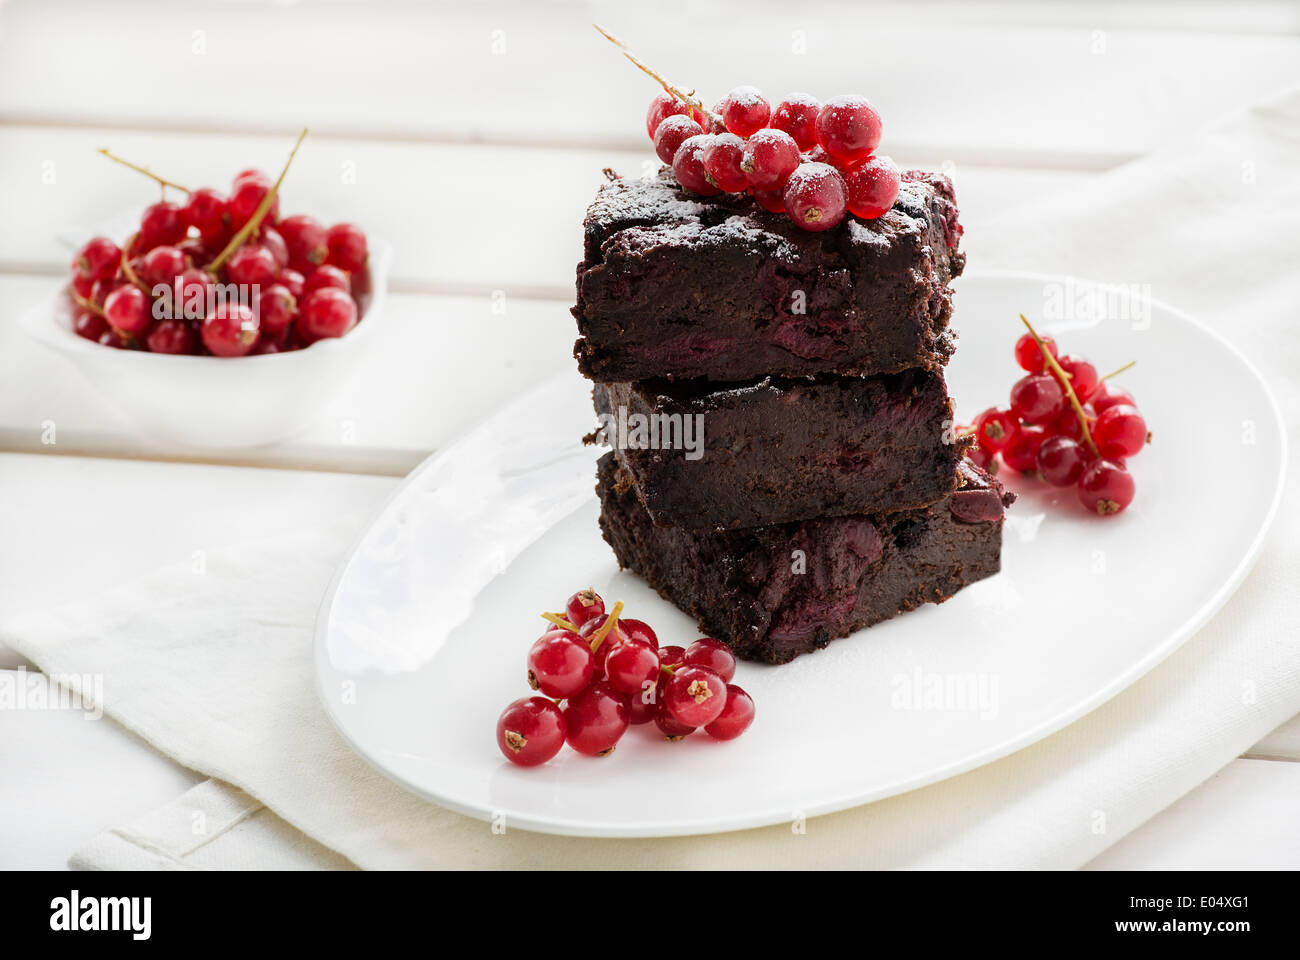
(561, 827)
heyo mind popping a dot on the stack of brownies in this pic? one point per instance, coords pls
(828, 490)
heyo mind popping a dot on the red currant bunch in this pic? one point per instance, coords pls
(814, 162)
(221, 275)
(599, 673)
(1065, 425)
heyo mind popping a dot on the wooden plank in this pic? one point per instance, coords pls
(462, 218)
(1080, 92)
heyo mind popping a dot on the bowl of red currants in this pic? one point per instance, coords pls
(218, 323)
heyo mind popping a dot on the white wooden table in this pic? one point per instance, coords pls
(438, 127)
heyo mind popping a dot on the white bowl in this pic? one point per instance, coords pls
(219, 402)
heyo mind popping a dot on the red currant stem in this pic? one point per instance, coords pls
(1116, 373)
(559, 621)
(599, 636)
(1065, 382)
(126, 264)
(145, 170)
(687, 97)
(255, 220)
(668, 670)
(86, 304)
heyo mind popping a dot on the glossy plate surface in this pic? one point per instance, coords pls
(422, 636)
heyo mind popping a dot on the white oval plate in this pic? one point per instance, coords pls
(421, 638)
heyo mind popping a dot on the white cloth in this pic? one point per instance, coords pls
(215, 669)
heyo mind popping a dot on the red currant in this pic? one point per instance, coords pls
(1022, 452)
(596, 718)
(1029, 356)
(770, 156)
(722, 163)
(688, 165)
(584, 605)
(815, 196)
(327, 276)
(1119, 431)
(205, 211)
(873, 187)
(670, 726)
(530, 731)
(1106, 488)
(663, 106)
(1083, 376)
(613, 636)
(672, 657)
(797, 116)
(715, 655)
(642, 707)
(102, 288)
(327, 312)
(127, 310)
(161, 266)
(171, 336)
(89, 324)
(995, 429)
(253, 265)
(306, 239)
(273, 240)
(348, 247)
(294, 281)
(639, 630)
(560, 664)
(848, 129)
(83, 287)
(672, 133)
(276, 309)
(736, 716)
(161, 224)
(773, 201)
(1108, 395)
(97, 260)
(248, 194)
(1061, 461)
(1037, 398)
(190, 295)
(631, 666)
(744, 111)
(230, 330)
(695, 695)
(1066, 424)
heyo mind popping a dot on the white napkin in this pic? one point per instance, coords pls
(215, 670)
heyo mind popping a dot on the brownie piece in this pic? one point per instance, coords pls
(676, 286)
(779, 450)
(743, 588)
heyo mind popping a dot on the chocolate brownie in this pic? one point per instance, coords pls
(676, 286)
(747, 588)
(779, 450)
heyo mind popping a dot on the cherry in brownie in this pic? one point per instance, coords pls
(749, 588)
(778, 450)
(676, 285)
